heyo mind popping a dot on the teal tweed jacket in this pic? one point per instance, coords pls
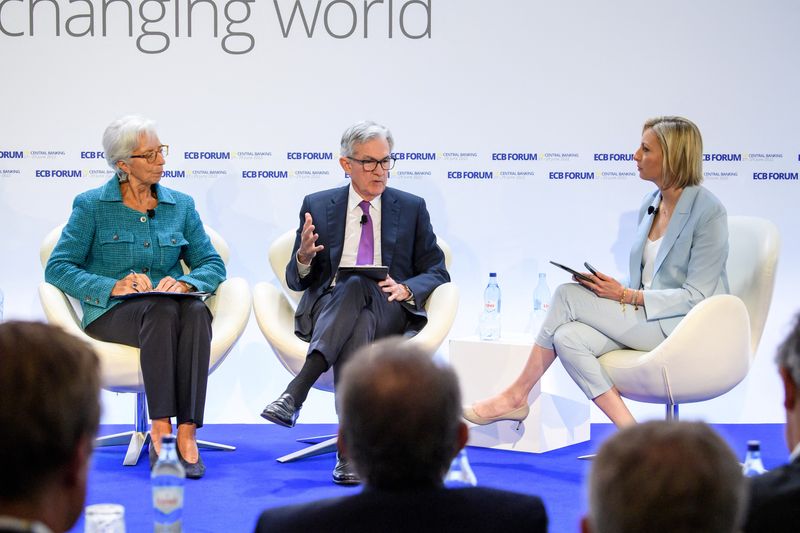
(104, 240)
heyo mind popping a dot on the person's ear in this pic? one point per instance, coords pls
(346, 165)
(789, 389)
(123, 166)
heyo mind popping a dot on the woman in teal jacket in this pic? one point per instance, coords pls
(128, 237)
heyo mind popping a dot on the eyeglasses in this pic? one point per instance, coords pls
(152, 155)
(371, 164)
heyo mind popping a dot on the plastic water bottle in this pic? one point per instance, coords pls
(541, 304)
(752, 460)
(168, 478)
(490, 318)
(460, 473)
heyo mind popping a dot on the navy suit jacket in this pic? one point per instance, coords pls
(408, 248)
(775, 501)
(437, 510)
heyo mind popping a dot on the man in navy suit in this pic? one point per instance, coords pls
(775, 496)
(364, 223)
(400, 423)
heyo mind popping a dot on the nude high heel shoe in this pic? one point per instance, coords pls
(517, 415)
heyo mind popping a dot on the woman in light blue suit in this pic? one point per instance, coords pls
(678, 259)
(128, 237)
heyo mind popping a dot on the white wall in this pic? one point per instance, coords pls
(546, 78)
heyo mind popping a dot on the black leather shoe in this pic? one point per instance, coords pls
(282, 411)
(344, 473)
(193, 470)
(153, 456)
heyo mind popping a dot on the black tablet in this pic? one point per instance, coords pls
(571, 271)
(378, 273)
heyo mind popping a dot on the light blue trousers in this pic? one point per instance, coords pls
(580, 326)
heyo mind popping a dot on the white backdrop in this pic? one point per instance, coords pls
(564, 85)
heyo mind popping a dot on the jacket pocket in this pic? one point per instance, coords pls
(116, 248)
(170, 244)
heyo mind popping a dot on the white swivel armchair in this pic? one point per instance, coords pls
(712, 348)
(120, 368)
(274, 310)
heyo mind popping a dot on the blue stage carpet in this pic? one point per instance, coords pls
(241, 483)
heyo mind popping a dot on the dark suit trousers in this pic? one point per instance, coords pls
(174, 336)
(353, 314)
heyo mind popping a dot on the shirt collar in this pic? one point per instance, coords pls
(18, 524)
(112, 193)
(353, 199)
(795, 453)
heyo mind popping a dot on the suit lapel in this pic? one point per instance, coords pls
(638, 244)
(390, 221)
(336, 215)
(676, 225)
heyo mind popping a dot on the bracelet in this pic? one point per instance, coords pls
(636, 299)
(622, 300)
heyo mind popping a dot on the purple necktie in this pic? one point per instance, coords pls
(366, 246)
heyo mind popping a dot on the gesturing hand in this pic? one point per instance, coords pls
(308, 242)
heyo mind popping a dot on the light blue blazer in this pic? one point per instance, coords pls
(104, 240)
(690, 264)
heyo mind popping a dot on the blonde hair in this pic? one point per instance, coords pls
(682, 148)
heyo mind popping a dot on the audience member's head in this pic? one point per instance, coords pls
(788, 360)
(399, 415)
(679, 477)
(49, 412)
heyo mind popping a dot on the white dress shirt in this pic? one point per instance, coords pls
(352, 232)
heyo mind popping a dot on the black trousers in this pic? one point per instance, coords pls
(174, 337)
(354, 313)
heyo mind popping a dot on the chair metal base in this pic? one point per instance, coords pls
(139, 437)
(322, 444)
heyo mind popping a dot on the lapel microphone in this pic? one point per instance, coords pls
(651, 210)
(363, 219)
(151, 213)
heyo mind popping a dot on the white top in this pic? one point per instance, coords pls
(352, 232)
(649, 261)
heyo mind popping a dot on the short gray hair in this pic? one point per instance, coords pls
(361, 132)
(788, 356)
(121, 138)
(666, 476)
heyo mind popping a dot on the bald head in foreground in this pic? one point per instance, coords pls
(49, 412)
(400, 424)
(677, 477)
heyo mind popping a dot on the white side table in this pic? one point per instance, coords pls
(559, 417)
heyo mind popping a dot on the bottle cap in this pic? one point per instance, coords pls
(492, 274)
(753, 445)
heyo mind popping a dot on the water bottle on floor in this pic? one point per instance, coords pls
(168, 478)
(460, 473)
(752, 460)
(490, 318)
